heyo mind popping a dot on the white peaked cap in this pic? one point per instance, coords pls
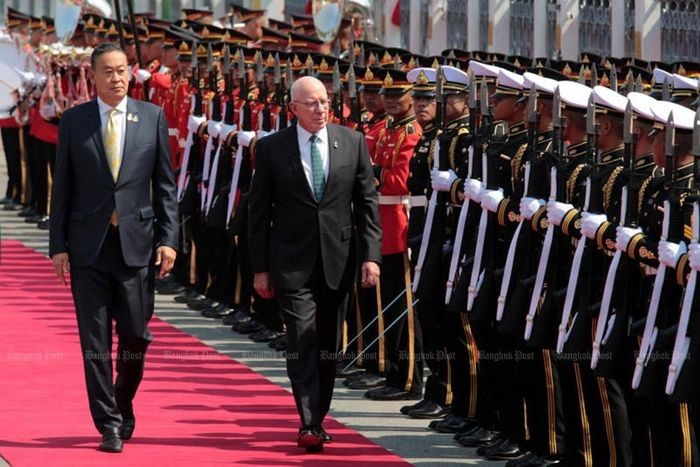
(683, 82)
(609, 99)
(509, 79)
(429, 73)
(683, 117)
(482, 69)
(455, 75)
(661, 75)
(574, 94)
(641, 104)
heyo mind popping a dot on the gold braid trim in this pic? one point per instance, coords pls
(430, 152)
(451, 152)
(642, 193)
(397, 148)
(516, 164)
(571, 182)
(608, 187)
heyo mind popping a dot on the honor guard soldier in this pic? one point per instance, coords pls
(395, 146)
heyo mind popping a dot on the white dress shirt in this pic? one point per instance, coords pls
(121, 121)
(303, 137)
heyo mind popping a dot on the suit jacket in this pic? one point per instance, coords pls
(84, 193)
(288, 228)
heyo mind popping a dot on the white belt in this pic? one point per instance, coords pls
(418, 201)
(393, 200)
(173, 131)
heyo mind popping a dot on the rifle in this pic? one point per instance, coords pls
(669, 232)
(567, 321)
(197, 112)
(279, 95)
(543, 265)
(533, 126)
(452, 278)
(481, 143)
(628, 218)
(354, 102)
(215, 116)
(338, 95)
(427, 226)
(681, 344)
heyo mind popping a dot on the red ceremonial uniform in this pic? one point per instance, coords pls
(395, 145)
(41, 129)
(376, 125)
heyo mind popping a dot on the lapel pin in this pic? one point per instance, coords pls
(335, 145)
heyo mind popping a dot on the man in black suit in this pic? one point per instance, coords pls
(313, 217)
(112, 207)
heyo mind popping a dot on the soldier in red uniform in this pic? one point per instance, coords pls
(395, 146)
(371, 85)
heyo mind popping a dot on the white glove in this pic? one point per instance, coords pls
(442, 179)
(529, 206)
(490, 199)
(263, 133)
(142, 75)
(590, 223)
(670, 253)
(214, 128)
(624, 235)
(694, 256)
(193, 123)
(27, 77)
(48, 111)
(472, 189)
(225, 130)
(245, 137)
(556, 211)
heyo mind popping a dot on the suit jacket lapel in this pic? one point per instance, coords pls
(295, 161)
(132, 126)
(95, 129)
(333, 155)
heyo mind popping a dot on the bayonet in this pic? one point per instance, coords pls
(628, 137)
(594, 76)
(591, 130)
(613, 79)
(278, 70)
(361, 58)
(629, 83)
(669, 150)
(667, 88)
(484, 100)
(557, 124)
(288, 76)
(696, 150)
(352, 83)
(639, 87)
(582, 74)
(439, 98)
(336, 78)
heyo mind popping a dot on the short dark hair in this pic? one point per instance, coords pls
(103, 48)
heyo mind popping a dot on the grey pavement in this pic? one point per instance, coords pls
(379, 421)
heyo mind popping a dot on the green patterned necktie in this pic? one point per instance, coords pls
(318, 179)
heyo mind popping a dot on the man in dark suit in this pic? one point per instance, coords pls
(313, 217)
(112, 207)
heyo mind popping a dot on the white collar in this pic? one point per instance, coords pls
(104, 107)
(305, 135)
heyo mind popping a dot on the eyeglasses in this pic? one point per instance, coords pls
(313, 104)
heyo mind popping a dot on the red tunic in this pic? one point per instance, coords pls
(395, 146)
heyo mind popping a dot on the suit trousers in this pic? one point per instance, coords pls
(110, 290)
(38, 173)
(13, 159)
(313, 314)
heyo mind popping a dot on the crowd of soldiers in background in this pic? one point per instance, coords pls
(540, 220)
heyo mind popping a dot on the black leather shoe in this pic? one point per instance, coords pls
(366, 381)
(189, 296)
(523, 461)
(43, 224)
(506, 451)
(407, 408)
(203, 304)
(390, 393)
(14, 206)
(36, 218)
(540, 462)
(111, 442)
(6, 200)
(236, 316)
(27, 211)
(279, 344)
(310, 439)
(249, 327)
(429, 410)
(127, 429)
(476, 437)
(266, 335)
(169, 286)
(326, 437)
(216, 312)
(354, 370)
(455, 424)
(481, 450)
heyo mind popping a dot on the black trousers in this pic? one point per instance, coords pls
(13, 159)
(106, 291)
(38, 173)
(313, 314)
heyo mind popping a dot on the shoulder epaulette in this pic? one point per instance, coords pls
(463, 130)
(410, 129)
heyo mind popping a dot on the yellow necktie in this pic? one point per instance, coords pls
(111, 139)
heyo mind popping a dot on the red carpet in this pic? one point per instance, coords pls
(195, 406)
